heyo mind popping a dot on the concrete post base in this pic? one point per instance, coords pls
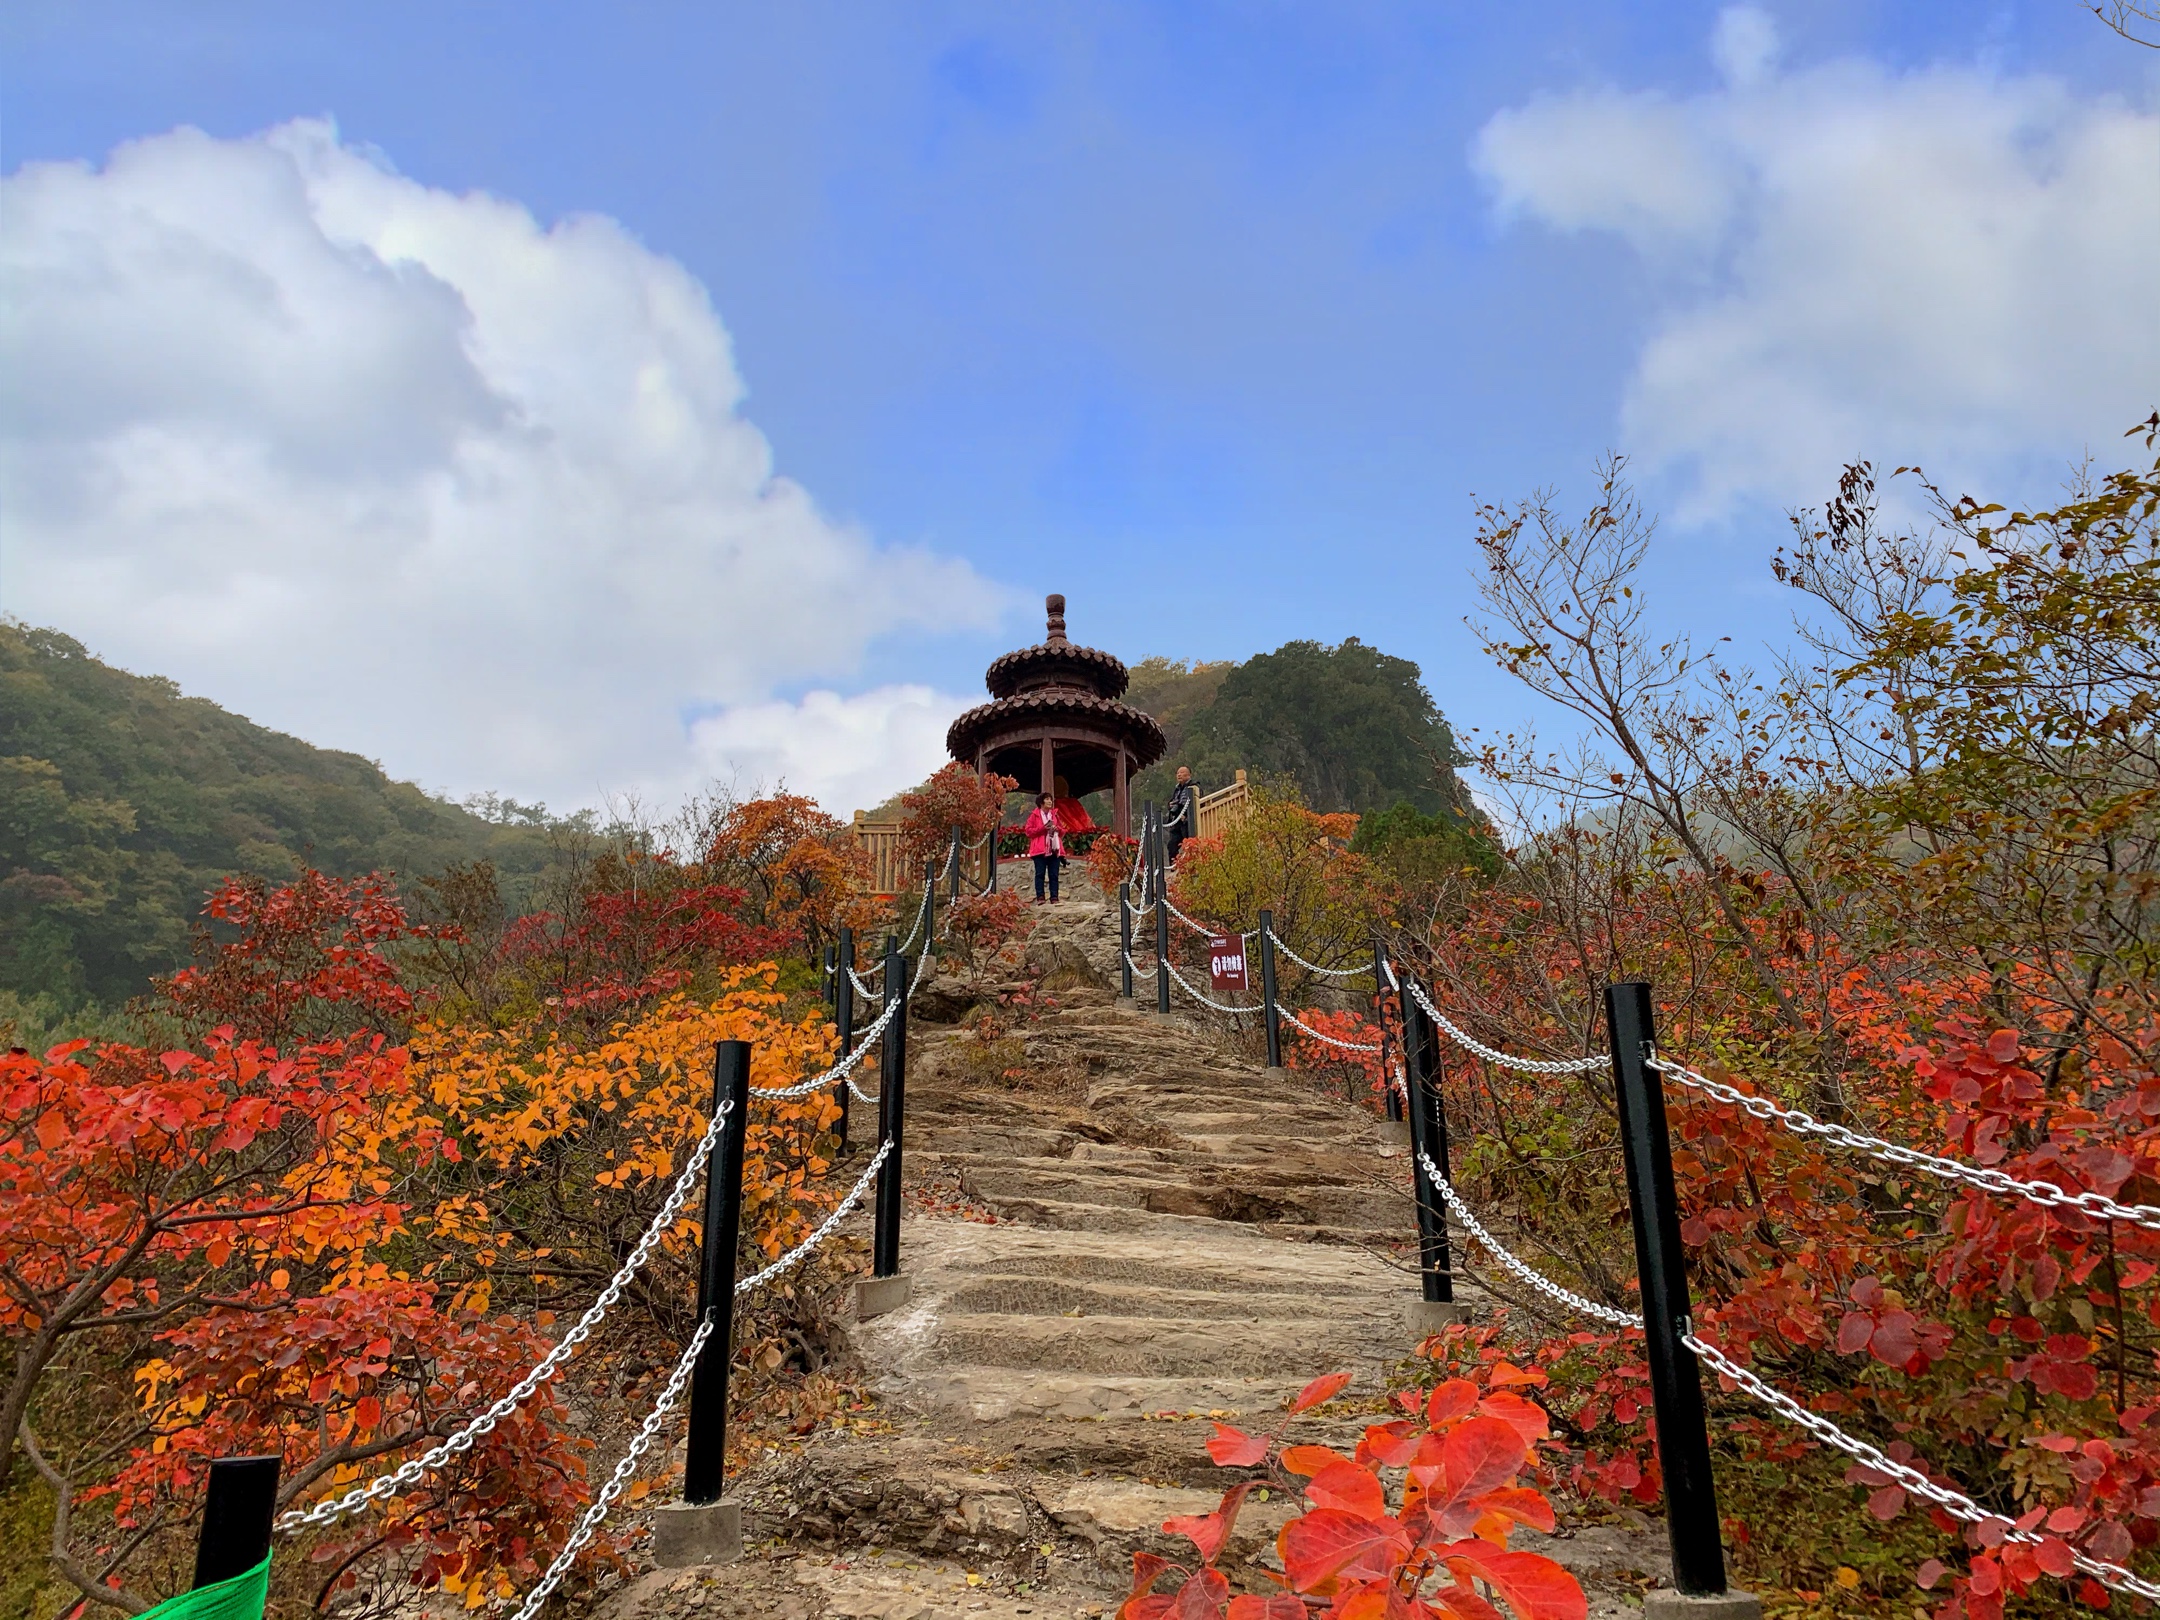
(704, 1533)
(1727, 1605)
(1427, 1316)
(1273, 1068)
(874, 1296)
(1124, 1003)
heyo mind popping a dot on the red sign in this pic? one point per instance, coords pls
(1226, 961)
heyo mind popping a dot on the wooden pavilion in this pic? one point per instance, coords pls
(1055, 714)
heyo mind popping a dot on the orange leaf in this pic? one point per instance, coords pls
(1348, 1486)
(1324, 1388)
(1328, 1544)
(1232, 1448)
(1464, 1603)
(1505, 1375)
(1521, 1504)
(1276, 1606)
(1309, 1460)
(1535, 1587)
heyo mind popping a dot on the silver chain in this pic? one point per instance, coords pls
(1187, 921)
(1314, 967)
(864, 1040)
(2044, 1193)
(1963, 1507)
(825, 1229)
(465, 1439)
(1203, 1000)
(639, 1443)
(1581, 1065)
(1543, 1284)
(1347, 1046)
(647, 1430)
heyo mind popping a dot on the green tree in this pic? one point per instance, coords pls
(1352, 726)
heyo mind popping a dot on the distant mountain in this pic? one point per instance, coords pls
(122, 801)
(1353, 726)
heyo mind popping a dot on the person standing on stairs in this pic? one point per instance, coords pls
(1181, 819)
(1045, 845)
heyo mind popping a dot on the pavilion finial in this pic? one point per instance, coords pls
(1056, 606)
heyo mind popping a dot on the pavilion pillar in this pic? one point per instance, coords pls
(1120, 811)
(1049, 768)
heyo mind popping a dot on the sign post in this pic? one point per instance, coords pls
(1226, 962)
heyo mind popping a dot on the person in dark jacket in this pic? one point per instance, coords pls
(1181, 819)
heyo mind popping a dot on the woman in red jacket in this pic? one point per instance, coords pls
(1045, 844)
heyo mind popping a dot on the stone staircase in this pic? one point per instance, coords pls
(1124, 1227)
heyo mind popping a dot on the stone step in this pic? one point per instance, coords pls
(1165, 1348)
(1044, 1297)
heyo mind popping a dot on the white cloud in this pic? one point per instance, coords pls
(1943, 265)
(405, 472)
(848, 753)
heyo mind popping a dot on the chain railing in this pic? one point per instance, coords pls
(1469, 1042)
(2044, 1193)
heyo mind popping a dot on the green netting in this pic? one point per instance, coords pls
(241, 1598)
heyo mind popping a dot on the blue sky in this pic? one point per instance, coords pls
(1213, 317)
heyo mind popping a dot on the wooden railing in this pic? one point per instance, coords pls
(889, 870)
(1217, 812)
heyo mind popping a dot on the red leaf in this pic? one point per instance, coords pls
(1450, 1401)
(1145, 1567)
(1533, 1586)
(1481, 1454)
(1526, 1418)
(1854, 1332)
(2054, 1555)
(1928, 1574)
(1887, 1503)
(1202, 1597)
(1232, 1448)
(1324, 1388)
(1276, 1606)
(1350, 1487)
(1894, 1341)
(1327, 1544)
(1208, 1531)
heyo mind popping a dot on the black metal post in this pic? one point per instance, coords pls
(892, 1115)
(1392, 1102)
(705, 1467)
(1691, 1515)
(1267, 989)
(1124, 935)
(952, 896)
(1162, 922)
(1428, 1137)
(237, 1510)
(844, 1018)
(831, 956)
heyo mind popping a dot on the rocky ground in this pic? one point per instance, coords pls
(1123, 1228)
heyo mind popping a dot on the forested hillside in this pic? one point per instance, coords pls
(122, 801)
(1351, 725)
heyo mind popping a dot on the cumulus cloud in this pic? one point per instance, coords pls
(407, 472)
(857, 750)
(1944, 265)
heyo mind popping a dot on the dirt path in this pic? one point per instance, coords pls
(1127, 1229)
